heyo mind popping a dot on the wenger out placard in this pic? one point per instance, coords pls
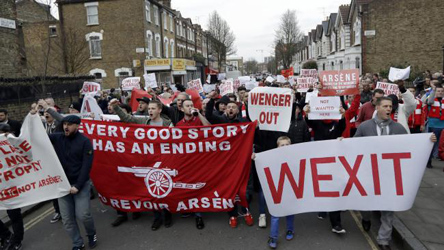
(271, 107)
(339, 82)
(385, 176)
(187, 169)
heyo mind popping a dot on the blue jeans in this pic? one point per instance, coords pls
(437, 132)
(77, 206)
(274, 232)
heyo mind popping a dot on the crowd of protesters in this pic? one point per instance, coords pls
(418, 108)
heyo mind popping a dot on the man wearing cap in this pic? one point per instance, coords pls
(8, 240)
(75, 153)
(75, 108)
(142, 109)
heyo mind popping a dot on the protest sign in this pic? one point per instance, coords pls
(292, 80)
(272, 107)
(280, 79)
(251, 85)
(130, 83)
(324, 108)
(385, 177)
(110, 118)
(150, 80)
(209, 87)
(340, 82)
(236, 84)
(269, 79)
(309, 73)
(399, 74)
(90, 88)
(305, 83)
(181, 169)
(310, 95)
(90, 105)
(244, 79)
(221, 76)
(388, 88)
(30, 171)
(226, 88)
(196, 84)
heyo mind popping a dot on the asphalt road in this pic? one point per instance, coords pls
(310, 233)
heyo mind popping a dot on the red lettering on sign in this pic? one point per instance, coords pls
(316, 177)
(286, 172)
(375, 172)
(396, 157)
(352, 172)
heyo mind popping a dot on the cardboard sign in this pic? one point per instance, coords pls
(325, 108)
(399, 74)
(130, 83)
(388, 88)
(30, 170)
(226, 88)
(150, 80)
(209, 87)
(197, 85)
(271, 107)
(335, 175)
(310, 95)
(280, 79)
(90, 88)
(340, 82)
(305, 83)
(309, 73)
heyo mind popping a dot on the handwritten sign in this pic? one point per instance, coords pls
(388, 88)
(305, 83)
(130, 83)
(324, 108)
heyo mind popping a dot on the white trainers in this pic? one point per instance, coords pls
(262, 221)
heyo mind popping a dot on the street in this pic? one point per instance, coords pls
(310, 233)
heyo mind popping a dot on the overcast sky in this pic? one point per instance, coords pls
(255, 21)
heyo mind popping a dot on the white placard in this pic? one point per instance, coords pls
(389, 88)
(226, 88)
(309, 95)
(269, 79)
(90, 105)
(130, 83)
(399, 74)
(309, 73)
(251, 85)
(244, 79)
(280, 79)
(292, 80)
(150, 80)
(221, 76)
(271, 107)
(209, 87)
(31, 172)
(91, 88)
(325, 108)
(335, 175)
(196, 84)
(304, 83)
(110, 118)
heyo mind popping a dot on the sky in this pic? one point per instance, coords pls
(254, 21)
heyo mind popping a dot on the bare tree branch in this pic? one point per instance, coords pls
(221, 32)
(286, 37)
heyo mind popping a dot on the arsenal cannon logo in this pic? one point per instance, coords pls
(159, 181)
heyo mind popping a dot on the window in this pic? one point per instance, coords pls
(52, 30)
(333, 42)
(148, 11)
(358, 63)
(172, 47)
(165, 22)
(149, 37)
(171, 23)
(156, 15)
(157, 38)
(342, 38)
(166, 46)
(357, 30)
(98, 73)
(177, 28)
(95, 47)
(92, 13)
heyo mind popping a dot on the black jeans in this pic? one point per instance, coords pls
(335, 218)
(17, 226)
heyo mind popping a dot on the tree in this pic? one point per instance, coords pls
(250, 66)
(271, 66)
(75, 50)
(221, 32)
(286, 37)
(310, 65)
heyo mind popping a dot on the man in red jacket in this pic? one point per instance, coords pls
(367, 110)
(417, 118)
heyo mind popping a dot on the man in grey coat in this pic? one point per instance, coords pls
(382, 125)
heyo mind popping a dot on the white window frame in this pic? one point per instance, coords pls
(97, 70)
(342, 38)
(171, 23)
(88, 39)
(156, 15)
(173, 49)
(148, 11)
(165, 20)
(90, 6)
(50, 28)
(357, 30)
(157, 44)
(333, 42)
(150, 38)
(123, 69)
(166, 45)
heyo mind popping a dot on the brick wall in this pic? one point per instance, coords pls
(31, 11)
(407, 32)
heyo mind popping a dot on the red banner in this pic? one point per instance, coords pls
(186, 169)
(287, 72)
(340, 82)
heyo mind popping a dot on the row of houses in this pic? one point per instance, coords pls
(372, 35)
(110, 39)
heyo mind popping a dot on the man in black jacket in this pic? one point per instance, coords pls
(14, 125)
(75, 153)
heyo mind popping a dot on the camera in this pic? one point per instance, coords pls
(195, 113)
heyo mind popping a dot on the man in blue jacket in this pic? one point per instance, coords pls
(75, 153)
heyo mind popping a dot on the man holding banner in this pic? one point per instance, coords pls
(382, 125)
